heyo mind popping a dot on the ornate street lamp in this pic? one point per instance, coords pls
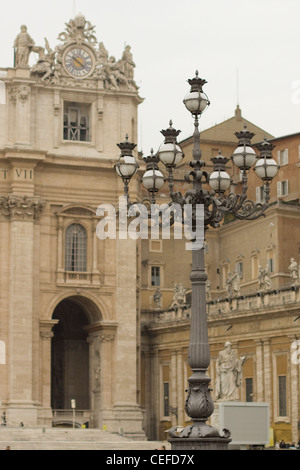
(211, 191)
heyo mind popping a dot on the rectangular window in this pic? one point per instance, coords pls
(282, 406)
(76, 122)
(166, 390)
(271, 265)
(282, 188)
(155, 276)
(283, 157)
(239, 268)
(249, 388)
(260, 194)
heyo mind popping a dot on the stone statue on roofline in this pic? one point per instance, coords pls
(294, 271)
(264, 279)
(232, 284)
(23, 45)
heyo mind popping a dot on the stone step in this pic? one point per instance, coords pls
(70, 439)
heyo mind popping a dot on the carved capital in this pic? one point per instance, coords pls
(104, 338)
(12, 94)
(21, 208)
(24, 92)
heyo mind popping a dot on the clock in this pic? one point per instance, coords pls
(78, 61)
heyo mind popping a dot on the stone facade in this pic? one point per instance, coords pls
(107, 322)
(260, 318)
(61, 122)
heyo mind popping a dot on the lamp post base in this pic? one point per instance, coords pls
(199, 436)
(199, 443)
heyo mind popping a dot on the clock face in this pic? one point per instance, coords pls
(78, 62)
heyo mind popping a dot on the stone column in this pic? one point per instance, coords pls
(259, 371)
(180, 388)
(174, 389)
(128, 413)
(95, 270)
(268, 375)
(23, 110)
(294, 406)
(46, 333)
(60, 263)
(107, 378)
(101, 359)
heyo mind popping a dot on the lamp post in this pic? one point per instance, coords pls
(212, 192)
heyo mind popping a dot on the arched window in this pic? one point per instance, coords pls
(75, 248)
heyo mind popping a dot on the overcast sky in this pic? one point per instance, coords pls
(247, 50)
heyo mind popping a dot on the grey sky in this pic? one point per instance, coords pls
(247, 50)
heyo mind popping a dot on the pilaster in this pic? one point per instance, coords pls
(22, 213)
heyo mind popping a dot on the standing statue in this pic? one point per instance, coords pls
(179, 297)
(264, 279)
(157, 298)
(128, 63)
(207, 290)
(294, 271)
(23, 46)
(233, 284)
(229, 374)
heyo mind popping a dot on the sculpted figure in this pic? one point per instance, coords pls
(229, 374)
(179, 297)
(233, 284)
(157, 298)
(294, 270)
(112, 73)
(102, 54)
(23, 46)
(264, 279)
(45, 62)
(128, 63)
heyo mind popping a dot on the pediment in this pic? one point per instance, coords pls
(77, 210)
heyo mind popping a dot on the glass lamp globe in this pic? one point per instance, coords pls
(126, 166)
(153, 179)
(196, 102)
(219, 181)
(244, 157)
(170, 154)
(266, 168)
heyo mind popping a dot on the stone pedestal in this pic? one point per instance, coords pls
(205, 443)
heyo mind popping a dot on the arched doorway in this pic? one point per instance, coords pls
(70, 357)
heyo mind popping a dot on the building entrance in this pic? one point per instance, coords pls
(70, 357)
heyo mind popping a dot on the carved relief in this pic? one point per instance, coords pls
(21, 208)
(12, 94)
(23, 93)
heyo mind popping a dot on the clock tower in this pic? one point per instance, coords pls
(69, 308)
